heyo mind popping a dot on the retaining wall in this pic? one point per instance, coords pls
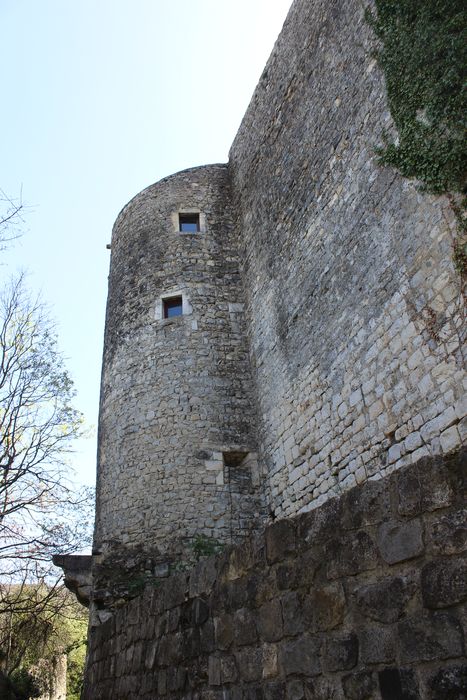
(362, 598)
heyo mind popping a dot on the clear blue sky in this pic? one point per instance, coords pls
(100, 99)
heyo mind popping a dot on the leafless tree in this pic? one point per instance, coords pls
(40, 512)
(11, 218)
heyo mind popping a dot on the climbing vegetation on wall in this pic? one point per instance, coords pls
(423, 53)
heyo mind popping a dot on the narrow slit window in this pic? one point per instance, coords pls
(173, 306)
(188, 223)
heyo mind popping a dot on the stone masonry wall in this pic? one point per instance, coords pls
(176, 396)
(354, 309)
(362, 598)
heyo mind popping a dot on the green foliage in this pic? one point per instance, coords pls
(203, 546)
(423, 55)
(76, 657)
(33, 638)
(200, 546)
(25, 685)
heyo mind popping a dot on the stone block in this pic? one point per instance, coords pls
(413, 441)
(449, 683)
(377, 645)
(340, 652)
(430, 636)
(270, 660)
(289, 576)
(207, 637)
(214, 670)
(228, 670)
(270, 626)
(280, 540)
(272, 691)
(295, 690)
(367, 505)
(170, 649)
(384, 601)
(177, 592)
(244, 627)
(150, 655)
(292, 614)
(320, 687)
(450, 439)
(324, 608)
(359, 686)
(191, 642)
(300, 656)
(200, 611)
(447, 533)
(317, 526)
(398, 541)
(224, 631)
(350, 554)
(425, 486)
(250, 663)
(444, 583)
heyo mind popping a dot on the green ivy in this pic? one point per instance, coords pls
(203, 546)
(423, 53)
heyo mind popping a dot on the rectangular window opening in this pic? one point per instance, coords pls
(173, 306)
(237, 471)
(188, 223)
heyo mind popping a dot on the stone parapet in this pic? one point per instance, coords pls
(363, 597)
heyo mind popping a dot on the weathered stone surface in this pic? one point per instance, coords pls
(400, 541)
(292, 614)
(367, 635)
(449, 683)
(425, 637)
(324, 608)
(322, 687)
(359, 686)
(244, 623)
(200, 611)
(224, 631)
(270, 626)
(377, 645)
(280, 541)
(368, 506)
(419, 491)
(207, 637)
(229, 673)
(448, 533)
(444, 583)
(340, 653)
(386, 600)
(350, 554)
(301, 655)
(316, 526)
(307, 294)
(295, 690)
(274, 691)
(270, 660)
(250, 663)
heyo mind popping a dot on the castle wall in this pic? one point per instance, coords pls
(362, 598)
(353, 305)
(176, 392)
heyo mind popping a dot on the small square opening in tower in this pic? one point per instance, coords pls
(189, 223)
(173, 306)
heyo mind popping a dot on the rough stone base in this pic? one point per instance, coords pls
(362, 598)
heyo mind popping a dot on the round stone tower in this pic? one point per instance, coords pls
(176, 446)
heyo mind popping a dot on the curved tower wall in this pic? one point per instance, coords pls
(176, 452)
